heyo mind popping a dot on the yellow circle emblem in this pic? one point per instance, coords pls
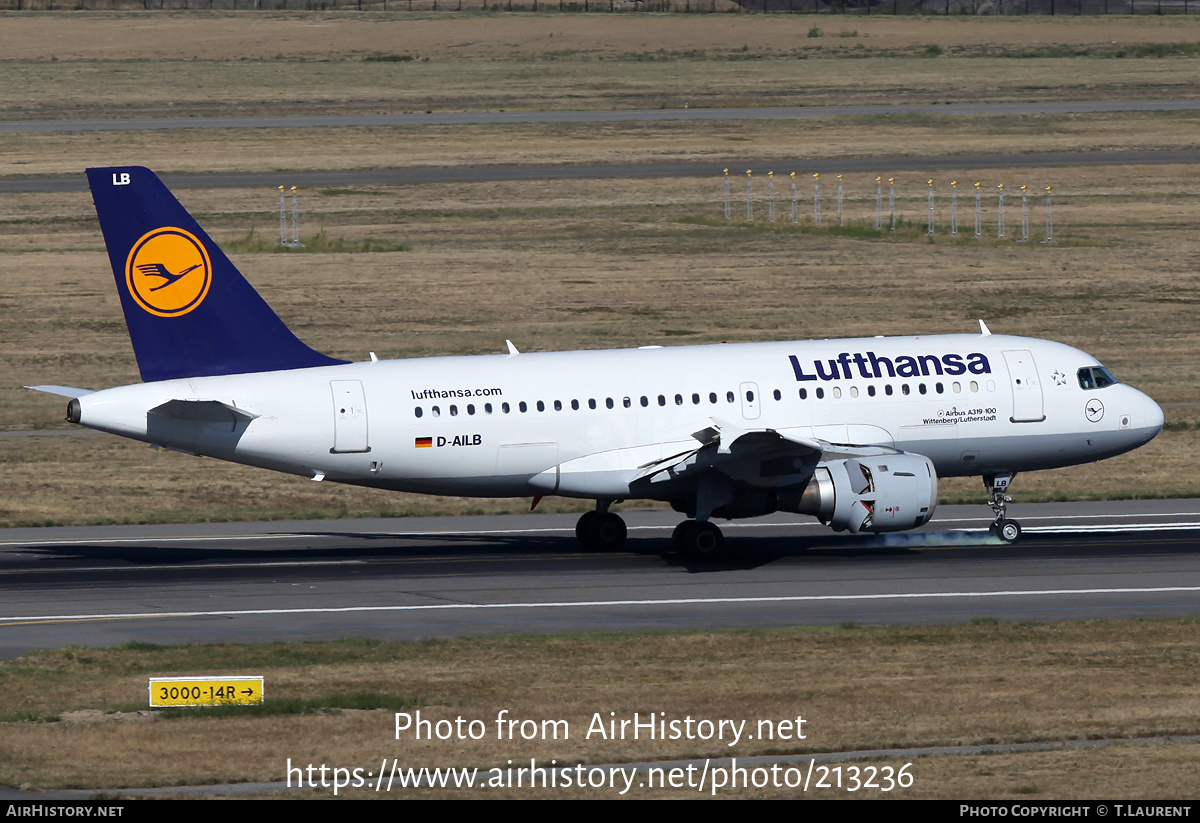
(168, 272)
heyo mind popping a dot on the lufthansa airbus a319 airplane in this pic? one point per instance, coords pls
(853, 432)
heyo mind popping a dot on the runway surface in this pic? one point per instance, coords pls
(452, 118)
(418, 578)
(476, 174)
(592, 171)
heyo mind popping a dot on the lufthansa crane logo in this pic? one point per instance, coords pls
(168, 272)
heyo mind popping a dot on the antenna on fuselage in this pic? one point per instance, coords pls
(983, 329)
(511, 348)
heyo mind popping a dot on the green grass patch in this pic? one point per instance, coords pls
(378, 57)
(30, 717)
(354, 701)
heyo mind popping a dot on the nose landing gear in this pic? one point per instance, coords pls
(997, 485)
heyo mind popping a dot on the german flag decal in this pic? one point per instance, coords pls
(424, 443)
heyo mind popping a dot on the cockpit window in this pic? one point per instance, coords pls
(1096, 377)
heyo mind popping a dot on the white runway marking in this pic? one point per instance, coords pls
(571, 530)
(595, 603)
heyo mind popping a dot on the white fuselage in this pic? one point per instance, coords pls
(585, 423)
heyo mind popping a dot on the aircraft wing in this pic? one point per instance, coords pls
(758, 457)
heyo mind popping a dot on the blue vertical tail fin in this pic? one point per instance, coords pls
(189, 310)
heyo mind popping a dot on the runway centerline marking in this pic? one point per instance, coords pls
(592, 604)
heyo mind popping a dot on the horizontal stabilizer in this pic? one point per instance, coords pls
(65, 391)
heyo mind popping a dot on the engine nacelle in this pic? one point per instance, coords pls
(889, 493)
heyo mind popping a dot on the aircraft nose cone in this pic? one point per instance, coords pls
(1148, 420)
(1154, 415)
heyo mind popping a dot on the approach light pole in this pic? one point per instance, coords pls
(728, 205)
(978, 224)
(954, 208)
(841, 217)
(878, 204)
(749, 195)
(816, 199)
(930, 231)
(771, 196)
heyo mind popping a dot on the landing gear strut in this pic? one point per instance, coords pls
(601, 530)
(997, 485)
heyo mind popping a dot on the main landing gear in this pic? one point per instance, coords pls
(698, 539)
(997, 485)
(604, 531)
(601, 530)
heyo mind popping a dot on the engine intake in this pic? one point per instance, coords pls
(890, 493)
(887, 493)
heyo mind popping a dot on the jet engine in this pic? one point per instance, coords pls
(889, 493)
(886, 493)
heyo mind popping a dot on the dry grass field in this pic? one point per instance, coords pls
(913, 686)
(590, 264)
(198, 63)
